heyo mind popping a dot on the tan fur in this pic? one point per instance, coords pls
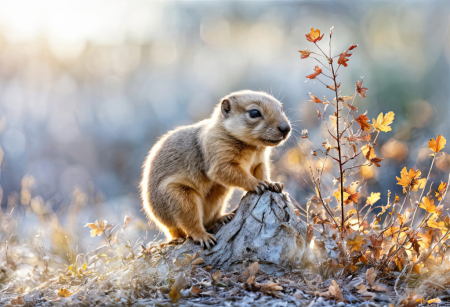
(189, 174)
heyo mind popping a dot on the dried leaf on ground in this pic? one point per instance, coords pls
(370, 276)
(196, 290)
(251, 270)
(272, 288)
(64, 292)
(336, 291)
(175, 293)
(379, 288)
(217, 276)
(361, 288)
(198, 261)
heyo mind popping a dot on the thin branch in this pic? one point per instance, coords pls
(421, 195)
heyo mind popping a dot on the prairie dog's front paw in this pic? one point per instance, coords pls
(260, 187)
(276, 186)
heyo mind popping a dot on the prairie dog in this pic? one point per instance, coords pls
(190, 172)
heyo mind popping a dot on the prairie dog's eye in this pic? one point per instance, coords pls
(254, 113)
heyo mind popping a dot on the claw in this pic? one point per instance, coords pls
(207, 244)
(278, 187)
(257, 190)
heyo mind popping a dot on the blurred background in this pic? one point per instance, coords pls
(87, 87)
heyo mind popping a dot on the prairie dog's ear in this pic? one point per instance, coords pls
(225, 106)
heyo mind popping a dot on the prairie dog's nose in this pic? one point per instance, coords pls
(284, 128)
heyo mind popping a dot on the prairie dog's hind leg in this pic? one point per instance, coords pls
(188, 214)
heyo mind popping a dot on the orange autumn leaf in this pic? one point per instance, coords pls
(353, 47)
(317, 72)
(425, 239)
(438, 144)
(411, 180)
(440, 191)
(351, 194)
(331, 87)
(382, 123)
(360, 89)
(343, 58)
(370, 155)
(314, 36)
(428, 205)
(304, 53)
(363, 121)
(314, 98)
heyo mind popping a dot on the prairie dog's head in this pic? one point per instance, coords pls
(255, 118)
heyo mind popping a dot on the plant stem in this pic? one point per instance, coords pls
(420, 199)
(338, 139)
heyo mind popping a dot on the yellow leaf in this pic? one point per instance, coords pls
(438, 144)
(373, 198)
(441, 225)
(64, 292)
(382, 123)
(436, 300)
(411, 180)
(356, 241)
(337, 194)
(428, 205)
(353, 211)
